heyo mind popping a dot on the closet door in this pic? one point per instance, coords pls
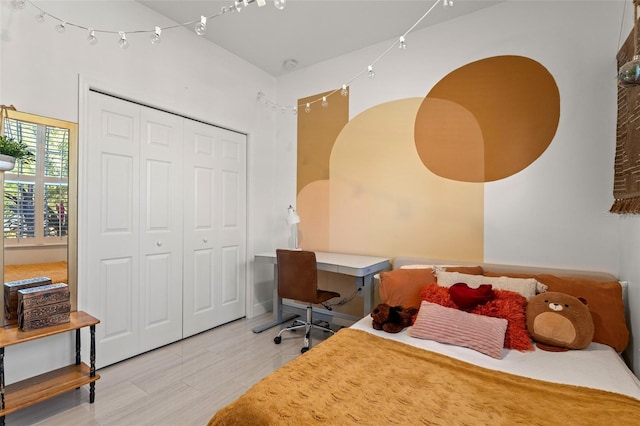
(161, 228)
(214, 227)
(134, 225)
(113, 228)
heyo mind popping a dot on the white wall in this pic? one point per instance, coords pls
(555, 212)
(41, 72)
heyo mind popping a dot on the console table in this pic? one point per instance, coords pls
(44, 386)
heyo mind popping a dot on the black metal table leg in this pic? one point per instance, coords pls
(92, 367)
(78, 347)
(2, 384)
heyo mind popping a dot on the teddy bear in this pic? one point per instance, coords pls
(392, 319)
(559, 322)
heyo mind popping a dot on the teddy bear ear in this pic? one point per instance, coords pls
(583, 300)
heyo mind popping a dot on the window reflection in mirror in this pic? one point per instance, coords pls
(40, 202)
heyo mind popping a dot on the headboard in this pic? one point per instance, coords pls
(498, 268)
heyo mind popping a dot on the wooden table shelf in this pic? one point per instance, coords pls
(44, 386)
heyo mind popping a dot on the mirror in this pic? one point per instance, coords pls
(40, 202)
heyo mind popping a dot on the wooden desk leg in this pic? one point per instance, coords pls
(92, 367)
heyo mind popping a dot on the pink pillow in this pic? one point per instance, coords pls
(447, 325)
(508, 305)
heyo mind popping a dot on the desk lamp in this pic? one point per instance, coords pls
(293, 220)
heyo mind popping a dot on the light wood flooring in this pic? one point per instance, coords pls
(184, 383)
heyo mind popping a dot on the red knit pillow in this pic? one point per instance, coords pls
(508, 305)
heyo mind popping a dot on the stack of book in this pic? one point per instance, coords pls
(43, 306)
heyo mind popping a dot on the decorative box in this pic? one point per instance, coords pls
(43, 306)
(11, 295)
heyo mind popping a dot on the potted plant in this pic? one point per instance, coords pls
(12, 150)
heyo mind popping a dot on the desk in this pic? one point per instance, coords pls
(362, 267)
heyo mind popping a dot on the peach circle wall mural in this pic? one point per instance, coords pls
(488, 119)
(407, 177)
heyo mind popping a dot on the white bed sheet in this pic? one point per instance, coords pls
(598, 366)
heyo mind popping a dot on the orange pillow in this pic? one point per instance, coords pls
(402, 287)
(604, 300)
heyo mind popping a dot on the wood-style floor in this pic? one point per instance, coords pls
(184, 383)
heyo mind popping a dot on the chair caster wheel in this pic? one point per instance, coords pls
(303, 350)
(277, 340)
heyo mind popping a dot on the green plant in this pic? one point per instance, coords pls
(17, 149)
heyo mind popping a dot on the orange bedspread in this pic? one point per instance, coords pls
(57, 271)
(356, 378)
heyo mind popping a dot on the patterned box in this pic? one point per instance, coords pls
(43, 306)
(11, 295)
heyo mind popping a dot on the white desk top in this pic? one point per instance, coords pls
(348, 264)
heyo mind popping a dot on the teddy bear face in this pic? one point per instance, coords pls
(559, 320)
(380, 314)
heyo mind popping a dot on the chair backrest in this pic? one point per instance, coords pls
(297, 275)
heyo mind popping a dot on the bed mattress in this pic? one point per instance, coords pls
(598, 366)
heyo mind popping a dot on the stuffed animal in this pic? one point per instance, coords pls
(392, 319)
(559, 322)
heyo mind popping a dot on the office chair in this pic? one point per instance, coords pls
(298, 280)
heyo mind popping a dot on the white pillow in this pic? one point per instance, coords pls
(528, 287)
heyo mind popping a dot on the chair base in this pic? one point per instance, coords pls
(307, 325)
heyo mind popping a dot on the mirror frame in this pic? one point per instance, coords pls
(72, 211)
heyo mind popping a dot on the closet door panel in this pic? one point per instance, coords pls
(119, 336)
(233, 224)
(203, 292)
(161, 234)
(113, 225)
(201, 228)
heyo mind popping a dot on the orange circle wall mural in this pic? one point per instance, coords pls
(487, 120)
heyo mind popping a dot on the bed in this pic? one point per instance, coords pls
(366, 376)
(56, 271)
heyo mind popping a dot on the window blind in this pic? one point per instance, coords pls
(36, 194)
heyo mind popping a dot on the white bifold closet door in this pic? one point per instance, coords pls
(214, 226)
(160, 264)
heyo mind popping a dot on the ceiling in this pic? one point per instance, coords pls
(308, 31)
